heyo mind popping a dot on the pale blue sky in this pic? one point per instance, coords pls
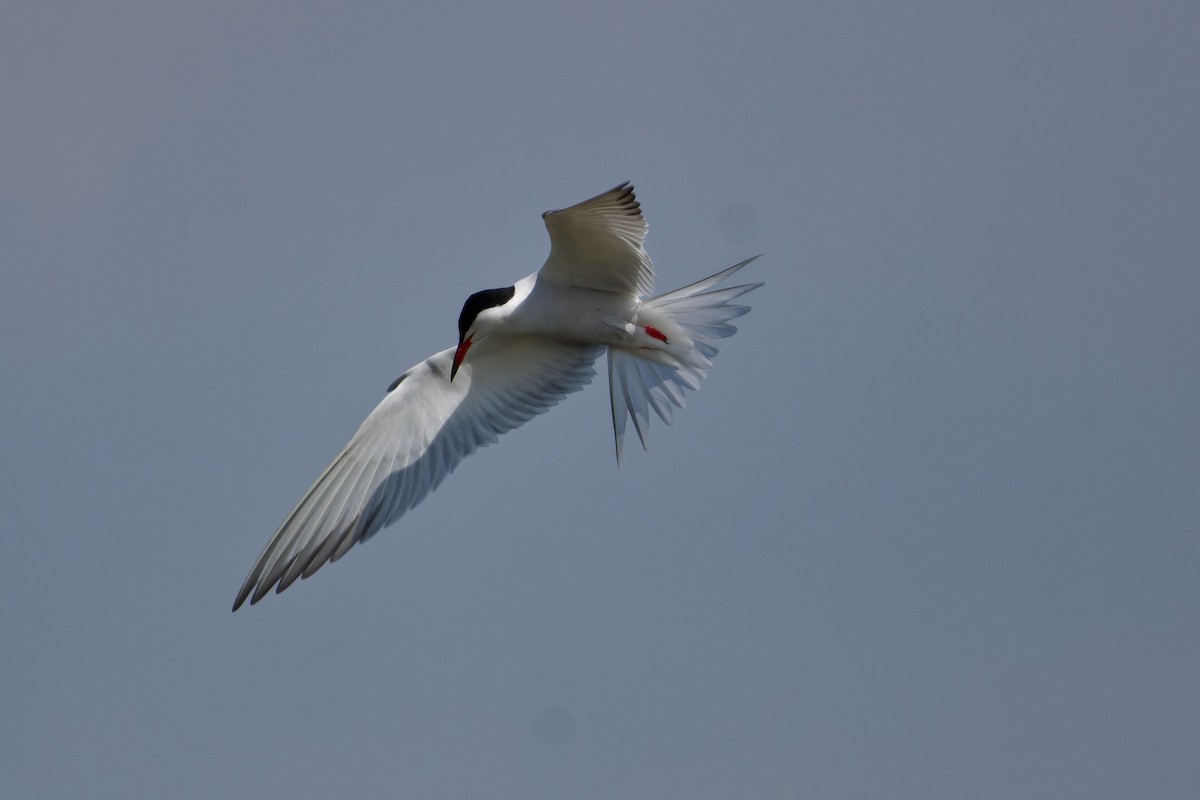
(930, 530)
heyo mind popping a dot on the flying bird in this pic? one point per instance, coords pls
(521, 349)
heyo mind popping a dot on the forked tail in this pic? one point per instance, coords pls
(688, 321)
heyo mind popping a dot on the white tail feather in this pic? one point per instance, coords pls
(692, 318)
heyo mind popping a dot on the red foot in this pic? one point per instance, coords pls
(656, 333)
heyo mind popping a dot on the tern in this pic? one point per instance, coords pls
(521, 349)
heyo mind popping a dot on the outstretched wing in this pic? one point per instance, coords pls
(597, 244)
(412, 440)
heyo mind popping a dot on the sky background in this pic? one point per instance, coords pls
(931, 529)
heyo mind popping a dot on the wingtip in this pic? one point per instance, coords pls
(242, 594)
(747, 262)
(251, 593)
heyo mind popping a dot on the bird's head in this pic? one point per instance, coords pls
(482, 312)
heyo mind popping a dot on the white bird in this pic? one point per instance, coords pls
(521, 349)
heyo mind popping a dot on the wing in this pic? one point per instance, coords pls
(597, 244)
(412, 440)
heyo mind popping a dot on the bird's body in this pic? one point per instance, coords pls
(521, 349)
(546, 308)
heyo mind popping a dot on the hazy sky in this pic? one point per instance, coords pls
(930, 530)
